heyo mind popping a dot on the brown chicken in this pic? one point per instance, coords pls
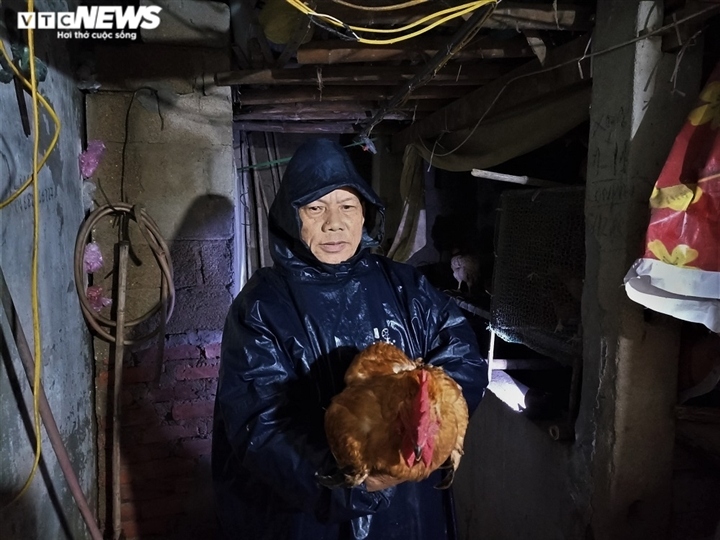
(396, 417)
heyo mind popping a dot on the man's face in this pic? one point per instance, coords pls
(332, 225)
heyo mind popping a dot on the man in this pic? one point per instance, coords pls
(288, 338)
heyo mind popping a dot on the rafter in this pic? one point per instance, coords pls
(466, 111)
(456, 43)
(312, 114)
(296, 127)
(454, 74)
(339, 51)
(285, 94)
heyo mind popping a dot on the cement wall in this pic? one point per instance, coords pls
(514, 480)
(169, 148)
(47, 510)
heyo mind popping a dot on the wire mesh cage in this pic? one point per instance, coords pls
(539, 271)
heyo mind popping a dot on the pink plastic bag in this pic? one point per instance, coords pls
(96, 299)
(90, 158)
(92, 259)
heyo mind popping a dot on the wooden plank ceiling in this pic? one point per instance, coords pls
(322, 80)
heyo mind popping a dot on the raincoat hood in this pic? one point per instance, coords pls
(317, 168)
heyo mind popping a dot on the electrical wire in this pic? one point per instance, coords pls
(394, 7)
(52, 114)
(439, 18)
(35, 248)
(585, 56)
(454, 12)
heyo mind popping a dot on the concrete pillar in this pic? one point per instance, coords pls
(626, 423)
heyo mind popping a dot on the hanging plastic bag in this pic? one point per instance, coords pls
(679, 274)
(92, 258)
(96, 299)
(90, 158)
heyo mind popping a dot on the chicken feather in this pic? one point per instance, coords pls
(378, 359)
(366, 424)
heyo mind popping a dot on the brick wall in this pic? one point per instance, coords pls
(177, 158)
(165, 440)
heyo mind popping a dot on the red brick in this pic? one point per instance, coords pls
(141, 416)
(147, 452)
(181, 391)
(197, 447)
(172, 433)
(125, 475)
(102, 379)
(166, 506)
(212, 350)
(182, 352)
(162, 468)
(126, 398)
(133, 435)
(144, 489)
(200, 371)
(197, 409)
(185, 485)
(127, 492)
(128, 511)
(147, 527)
(146, 357)
(142, 374)
(204, 426)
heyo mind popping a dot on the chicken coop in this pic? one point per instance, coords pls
(539, 271)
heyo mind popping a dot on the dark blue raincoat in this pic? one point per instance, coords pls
(289, 336)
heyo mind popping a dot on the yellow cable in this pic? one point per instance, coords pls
(297, 4)
(50, 111)
(382, 8)
(451, 13)
(35, 250)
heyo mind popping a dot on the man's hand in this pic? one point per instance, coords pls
(380, 481)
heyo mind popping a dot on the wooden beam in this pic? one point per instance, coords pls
(456, 43)
(285, 94)
(703, 415)
(514, 88)
(296, 127)
(536, 41)
(242, 61)
(298, 109)
(515, 15)
(356, 117)
(342, 52)
(247, 33)
(242, 30)
(309, 108)
(291, 47)
(371, 75)
(677, 36)
(521, 16)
